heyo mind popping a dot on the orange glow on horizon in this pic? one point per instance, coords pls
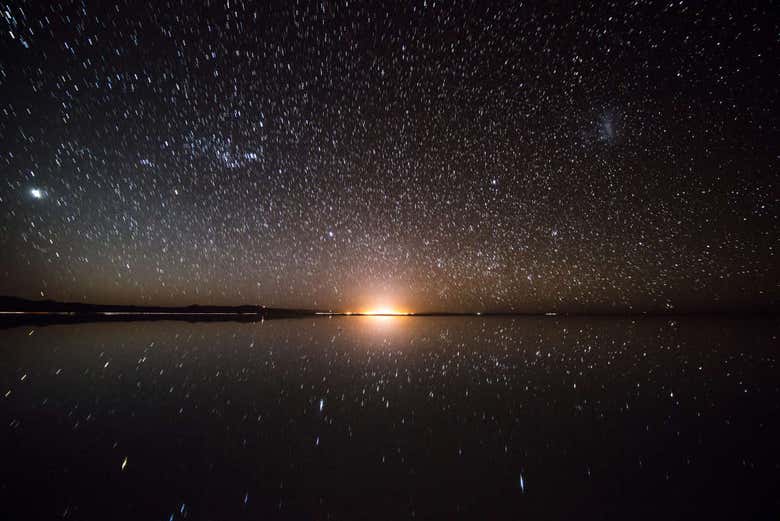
(379, 312)
(385, 311)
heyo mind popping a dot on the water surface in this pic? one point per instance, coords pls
(369, 418)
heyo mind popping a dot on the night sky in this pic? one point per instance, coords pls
(419, 155)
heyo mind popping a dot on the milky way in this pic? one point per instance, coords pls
(427, 155)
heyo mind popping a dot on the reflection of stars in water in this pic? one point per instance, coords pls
(37, 193)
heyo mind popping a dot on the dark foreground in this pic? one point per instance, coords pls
(374, 418)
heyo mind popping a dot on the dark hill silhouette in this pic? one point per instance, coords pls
(18, 311)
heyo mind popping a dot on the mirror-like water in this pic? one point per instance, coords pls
(385, 417)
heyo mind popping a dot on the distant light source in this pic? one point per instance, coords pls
(37, 193)
(385, 311)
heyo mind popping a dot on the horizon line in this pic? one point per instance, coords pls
(8, 308)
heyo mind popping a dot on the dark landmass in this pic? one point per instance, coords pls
(16, 311)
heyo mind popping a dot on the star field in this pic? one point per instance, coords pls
(430, 155)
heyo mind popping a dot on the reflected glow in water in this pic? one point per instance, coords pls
(443, 417)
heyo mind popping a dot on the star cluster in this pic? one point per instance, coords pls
(432, 155)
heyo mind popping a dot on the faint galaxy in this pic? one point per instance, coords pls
(428, 155)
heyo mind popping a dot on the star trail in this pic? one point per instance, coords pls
(418, 259)
(423, 155)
